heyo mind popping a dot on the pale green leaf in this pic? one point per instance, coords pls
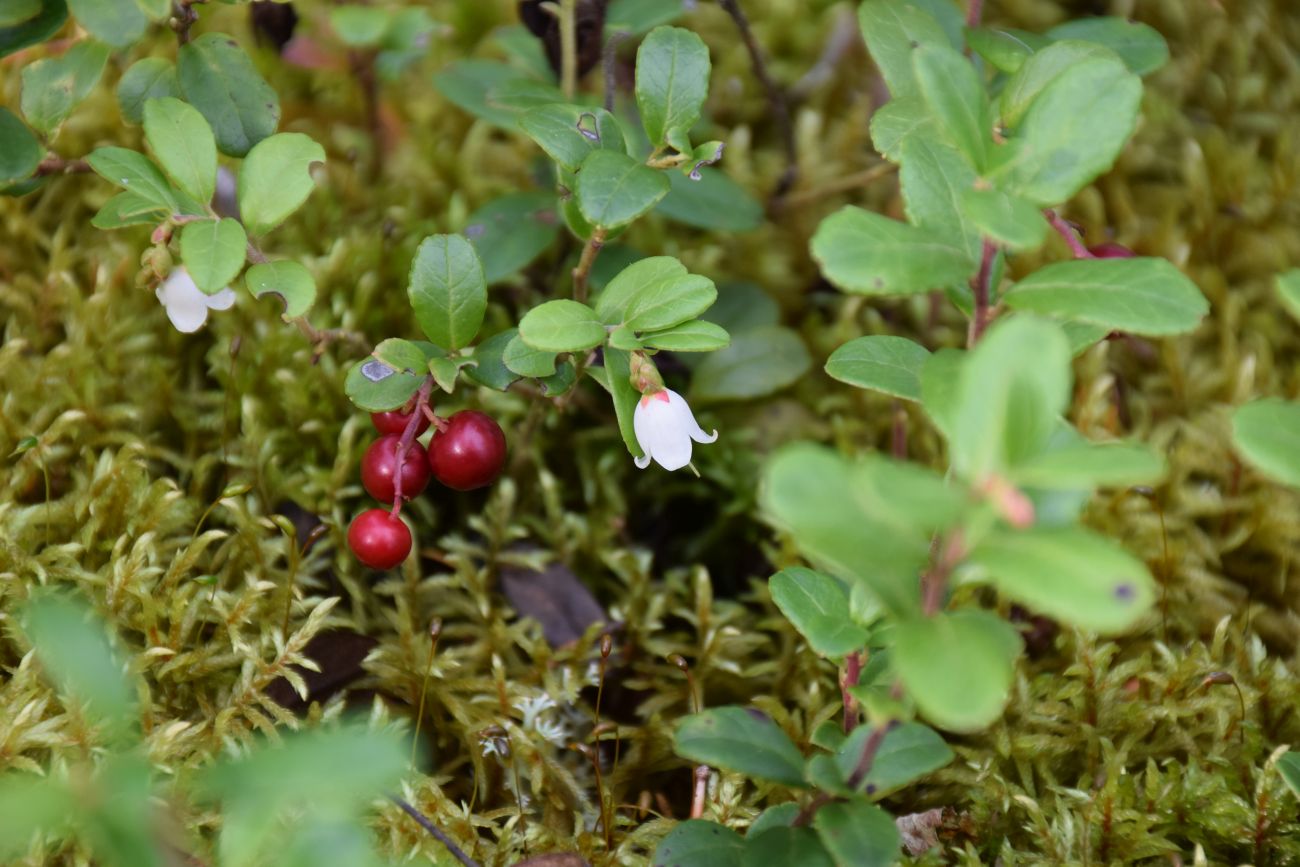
(613, 189)
(1139, 45)
(1267, 434)
(447, 290)
(694, 336)
(213, 252)
(743, 740)
(182, 142)
(1007, 220)
(571, 133)
(672, 82)
(54, 86)
(893, 29)
(957, 666)
(957, 100)
(883, 363)
(866, 253)
(117, 22)
(275, 179)
(858, 833)
(562, 326)
(818, 606)
(654, 294)
(290, 280)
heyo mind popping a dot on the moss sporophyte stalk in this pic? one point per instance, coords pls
(342, 498)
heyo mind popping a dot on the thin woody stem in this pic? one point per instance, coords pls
(408, 437)
(981, 288)
(583, 271)
(1067, 232)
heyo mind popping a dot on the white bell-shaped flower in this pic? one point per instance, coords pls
(187, 306)
(664, 427)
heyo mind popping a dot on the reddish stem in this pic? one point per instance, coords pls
(974, 13)
(982, 290)
(852, 674)
(1067, 232)
(408, 437)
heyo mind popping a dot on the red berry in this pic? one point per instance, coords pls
(394, 422)
(379, 469)
(469, 453)
(378, 539)
(1111, 251)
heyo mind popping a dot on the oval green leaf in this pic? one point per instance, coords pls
(275, 179)
(182, 142)
(290, 280)
(1267, 433)
(883, 363)
(218, 79)
(743, 740)
(613, 189)
(866, 253)
(447, 290)
(213, 251)
(562, 326)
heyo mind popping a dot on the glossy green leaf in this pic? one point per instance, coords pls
(1267, 434)
(290, 280)
(1088, 465)
(117, 22)
(20, 152)
(812, 493)
(490, 367)
(275, 179)
(150, 78)
(447, 290)
(957, 100)
(1072, 132)
(134, 172)
(1038, 72)
(908, 752)
(562, 326)
(24, 28)
(213, 251)
(571, 133)
(512, 231)
(1139, 45)
(54, 86)
(758, 362)
(697, 843)
(182, 142)
(389, 376)
(524, 360)
(672, 82)
(858, 834)
(1005, 411)
(784, 846)
(893, 29)
(218, 79)
(695, 336)
(883, 363)
(940, 379)
(933, 179)
(781, 815)
(654, 294)
(623, 337)
(613, 189)
(898, 121)
(128, 209)
(957, 666)
(866, 253)
(714, 202)
(1141, 295)
(1004, 49)
(1068, 573)
(743, 740)
(1288, 291)
(74, 652)
(1012, 222)
(818, 606)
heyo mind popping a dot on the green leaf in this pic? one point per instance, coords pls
(290, 280)
(18, 11)
(812, 493)
(21, 31)
(618, 381)
(468, 84)
(447, 290)
(275, 179)
(934, 177)
(150, 78)
(883, 363)
(559, 382)
(672, 82)
(219, 80)
(490, 369)
(694, 336)
(118, 826)
(639, 16)
(866, 253)
(818, 606)
(1288, 766)
(360, 26)
(1141, 295)
(908, 752)
(614, 189)
(742, 306)
(1083, 335)
(697, 843)
(956, 98)
(33, 804)
(859, 834)
(134, 172)
(1006, 410)
(1288, 291)
(1010, 221)
(1087, 465)
(445, 372)
(939, 387)
(743, 740)
(654, 294)
(73, 649)
(1068, 573)
(514, 230)
(1140, 46)
(623, 337)
(785, 846)
(896, 122)
(117, 22)
(54, 86)
(714, 202)
(182, 142)
(390, 375)
(571, 133)
(520, 358)
(1071, 133)
(213, 251)
(562, 326)
(1004, 49)
(957, 666)
(893, 29)
(909, 497)
(20, 152)
(1267, 433)
(758, 362)
(1038, 72)
(128, 209)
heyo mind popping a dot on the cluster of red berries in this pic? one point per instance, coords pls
(467, 451)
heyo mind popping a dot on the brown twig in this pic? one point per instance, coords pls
(183, 18)
(701, 791)
(57, 165)
(775, 98)
(982, 290)
(583, 270)
(434, 831)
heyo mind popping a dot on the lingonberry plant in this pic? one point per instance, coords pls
(992, 132)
